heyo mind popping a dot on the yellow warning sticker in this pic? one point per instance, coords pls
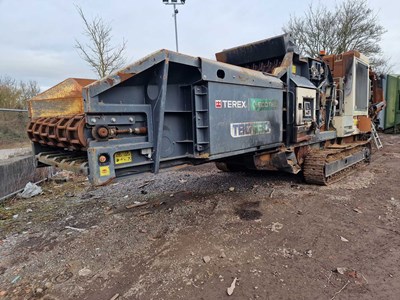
(294, 69)
(123, 157)
(104, 171)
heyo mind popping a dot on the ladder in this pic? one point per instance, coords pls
(375, 136)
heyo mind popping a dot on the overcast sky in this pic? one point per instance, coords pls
(37, 36)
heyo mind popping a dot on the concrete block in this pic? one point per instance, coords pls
(16, 172)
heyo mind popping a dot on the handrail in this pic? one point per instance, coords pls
(13, 110)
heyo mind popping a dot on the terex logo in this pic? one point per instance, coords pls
(230, 104)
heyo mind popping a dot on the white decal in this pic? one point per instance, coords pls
(230, 104)
(250, 128)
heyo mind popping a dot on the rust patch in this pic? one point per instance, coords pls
(63, 99)
(124, 76)
(69, 88)
(264, 158)
(301, 153)
(204, 155)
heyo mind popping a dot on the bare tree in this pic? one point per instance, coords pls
(351, 25)
(9, 93)
(382, 64)
(98, 52)
(14, 94)
(314, 31)
(28, 90)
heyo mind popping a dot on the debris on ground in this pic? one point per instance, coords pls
(30, 190)
(276, 226)
(231, 189)
(59, 180)
(206, 259)
(115, 297)
(357, 210)
(309, 253)
(230, 289)
(288, 253)
(84, 272)
(343, 239)
(338, 292)
(76, 229)
(16, 278)
(146, 183)
(352, 274)
(39, 292)
(139, 204)
(340, 270)
(145, 213)
(272, 192)
(62, 177)
(64, 276)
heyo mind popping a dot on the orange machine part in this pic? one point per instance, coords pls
(339, 63)
(64, 132)
(364, 123)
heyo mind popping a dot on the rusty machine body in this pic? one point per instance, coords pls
(259, 106)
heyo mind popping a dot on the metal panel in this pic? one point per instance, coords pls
(266, 49)
(361, 86)
(169, 109)
(305, 95)
(220, 72)
(64, 99)
(302, 82)
(243, 117)
(138, 67)
(337, 166)
(392, 110)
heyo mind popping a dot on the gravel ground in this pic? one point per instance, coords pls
(200, 228)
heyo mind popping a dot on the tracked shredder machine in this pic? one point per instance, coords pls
(260, 106)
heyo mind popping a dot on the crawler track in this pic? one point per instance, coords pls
(314, 167)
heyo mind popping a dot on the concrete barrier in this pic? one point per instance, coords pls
(16, 172)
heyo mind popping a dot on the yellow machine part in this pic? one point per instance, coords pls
(64, 99)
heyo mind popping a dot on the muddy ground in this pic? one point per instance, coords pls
(201, 229)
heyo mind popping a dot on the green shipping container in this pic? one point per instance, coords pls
(392, 110)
